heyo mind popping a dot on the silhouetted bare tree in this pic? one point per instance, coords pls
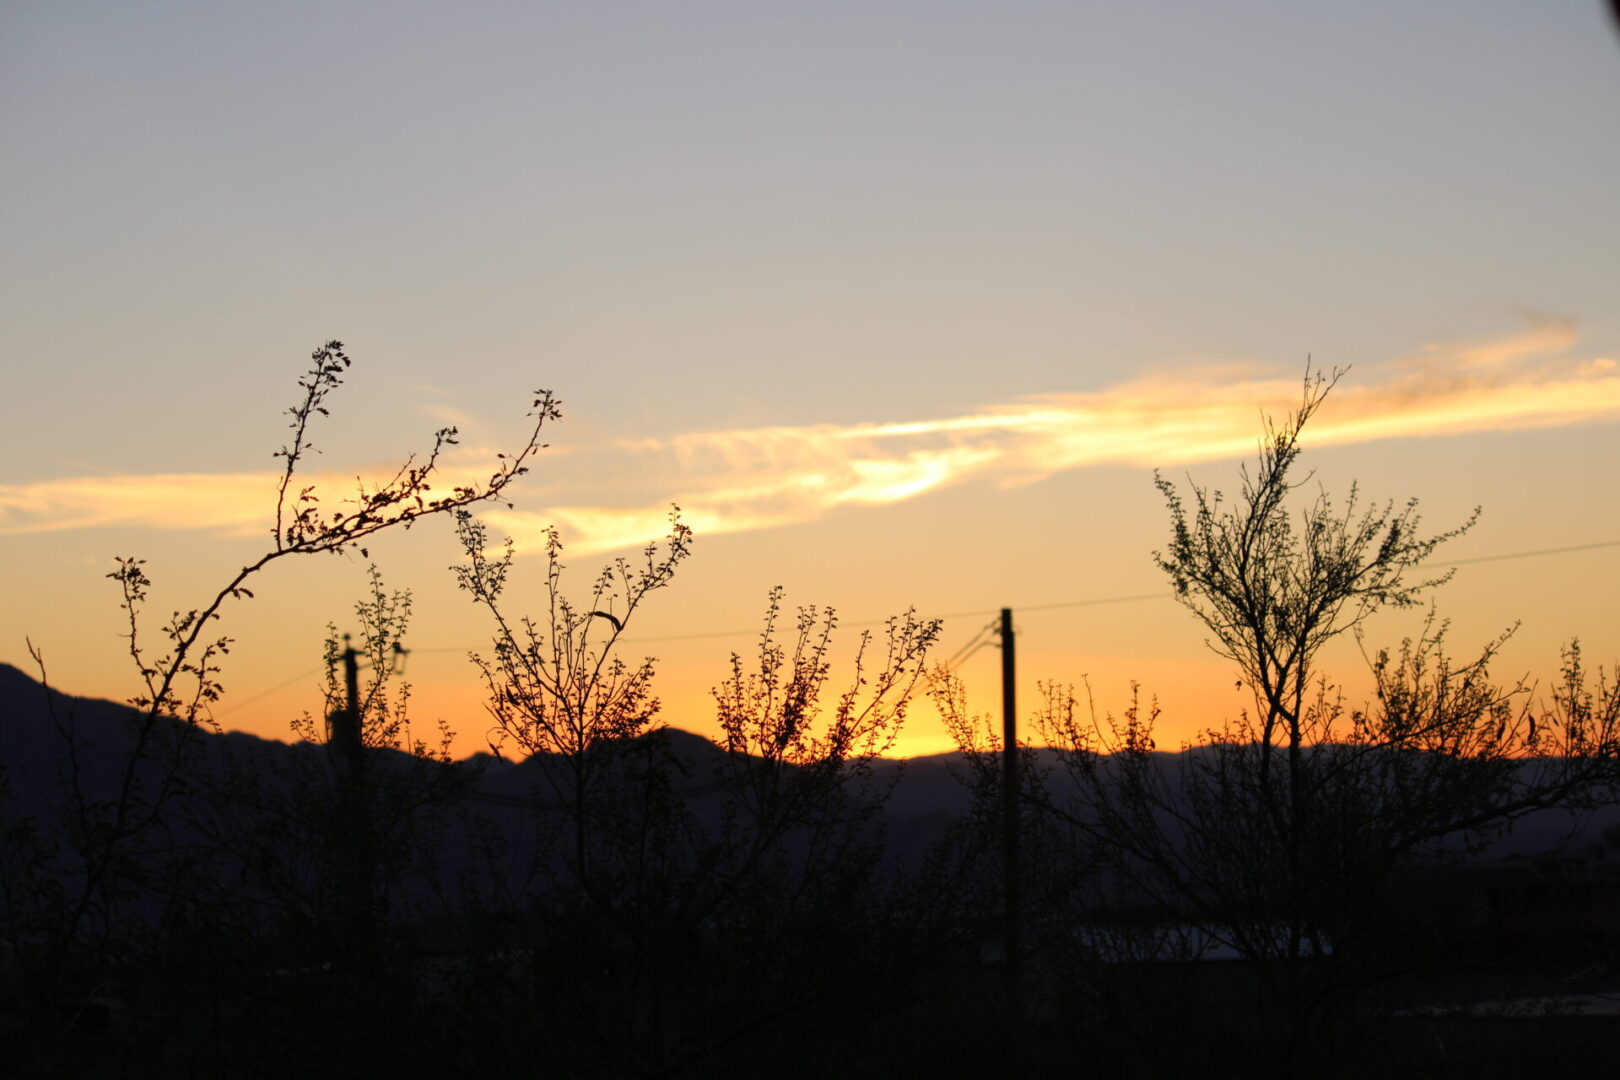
(1290, 833)
(707, 899)
(107, 861)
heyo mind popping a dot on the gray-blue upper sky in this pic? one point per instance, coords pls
(699, 215)
(695, 221)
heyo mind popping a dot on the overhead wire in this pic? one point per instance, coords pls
(1134, 597)
(276, 689)
(975, 643)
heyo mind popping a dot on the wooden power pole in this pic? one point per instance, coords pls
(354, 840)
(1009, 824)
(345, 722)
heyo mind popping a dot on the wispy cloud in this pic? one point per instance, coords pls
(617, 495)
(732, 481)
(231, 502)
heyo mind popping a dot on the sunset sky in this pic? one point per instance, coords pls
(902, 303)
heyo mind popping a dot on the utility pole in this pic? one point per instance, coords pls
(1009, 825)
(345, 723)
(353, 826)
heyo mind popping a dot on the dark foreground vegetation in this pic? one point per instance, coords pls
(1424, 885)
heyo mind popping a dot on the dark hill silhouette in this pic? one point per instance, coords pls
(470, 848)
(231, 783)
(929, 793)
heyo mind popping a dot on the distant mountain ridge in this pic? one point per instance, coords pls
(40, 781)
(928, 794)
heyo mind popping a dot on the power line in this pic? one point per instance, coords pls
(276, 689)
(1530, 554)
(1089, 602)
(975, 643)
(952, 615)
(1132, 598)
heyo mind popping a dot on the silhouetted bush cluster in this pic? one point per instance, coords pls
(1292, 894)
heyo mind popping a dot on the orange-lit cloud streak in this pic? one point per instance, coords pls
(733, 481)
(617, 495)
